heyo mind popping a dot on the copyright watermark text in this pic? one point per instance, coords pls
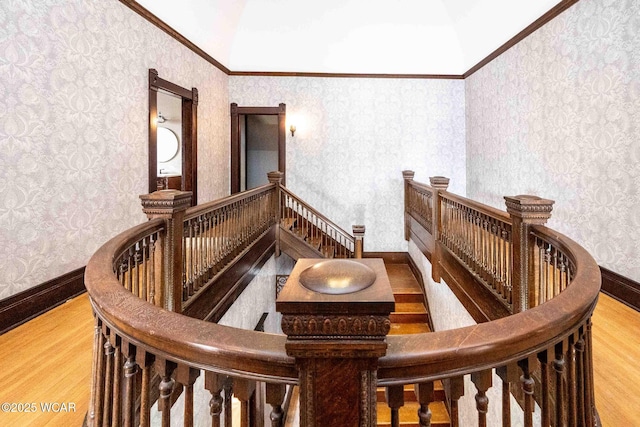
(33, 407)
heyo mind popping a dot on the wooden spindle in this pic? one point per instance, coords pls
(275, 397)
(482, 381)
(130, 374)
(508, 374)
(145, 362)
(424, 395)
(214, 383)
(165, 369)
(395, 400)
(187, 376)
(560, 397)
(545, 357)
(455, 386)
(108, 383)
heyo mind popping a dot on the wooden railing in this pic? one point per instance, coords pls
(145, 353)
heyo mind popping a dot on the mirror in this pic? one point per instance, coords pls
(167, 145)
(173, 136)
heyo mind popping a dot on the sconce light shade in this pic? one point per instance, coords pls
(292, 129)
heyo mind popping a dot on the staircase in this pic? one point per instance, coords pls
(306, 233)
(410, 317)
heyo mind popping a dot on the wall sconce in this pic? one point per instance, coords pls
(161, 118)
(292, 128)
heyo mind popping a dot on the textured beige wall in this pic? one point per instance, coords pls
(355, 136)
(557, 115)
(73, 129)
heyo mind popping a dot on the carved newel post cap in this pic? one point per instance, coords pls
(439, 182)
(275, 176)
(164, 203)
(408, 175)
(336, 299)
(532, 209)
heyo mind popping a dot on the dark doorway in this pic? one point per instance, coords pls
(185, 175)
(257, 145)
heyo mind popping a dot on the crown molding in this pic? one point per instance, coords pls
(551, 14)
(136, 7)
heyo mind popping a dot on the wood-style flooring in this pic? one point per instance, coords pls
(48, 360)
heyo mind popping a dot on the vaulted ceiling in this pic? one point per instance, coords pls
(349, 36)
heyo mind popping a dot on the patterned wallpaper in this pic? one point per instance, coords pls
(557, 116)
(73, 129)
(355, 136)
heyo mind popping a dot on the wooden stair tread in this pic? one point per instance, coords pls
(408, 414)
(410, 307)
(408, 328)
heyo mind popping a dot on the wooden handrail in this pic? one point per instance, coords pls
(482, 208)
(320, 216)
(143, 333)
(194, 211)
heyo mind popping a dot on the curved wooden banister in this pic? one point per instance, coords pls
(201, 344)
(436, 355)
(179, 347)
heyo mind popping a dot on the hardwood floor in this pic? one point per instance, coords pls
(48, 360)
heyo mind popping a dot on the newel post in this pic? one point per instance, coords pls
(335, 314)
(525, 211)
(275, 177)
(408, 177)
(358, 235)
(439, 185)
(169, 205)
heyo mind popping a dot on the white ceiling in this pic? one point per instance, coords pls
(349, 36)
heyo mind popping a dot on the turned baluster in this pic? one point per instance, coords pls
(559, 365)
(145, 361)
(130, 371)
(187, 376)
(165, 368)
(244, 390)
(98, 376)
(395, 399)
(228, 395)
(482, 381)
(108, 379)
(424, 394)
(571, 381)
(455, 388)
(545, 357)
(528, 389)
(580, 379)
(214, 383)
(509, 374)
(275, 396)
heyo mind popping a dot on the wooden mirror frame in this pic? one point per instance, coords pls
(236, 112)
(189, 133)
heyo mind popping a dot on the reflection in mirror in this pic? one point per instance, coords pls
(168, 145)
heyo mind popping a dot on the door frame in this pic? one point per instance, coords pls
(236, 112)
(189, 133)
